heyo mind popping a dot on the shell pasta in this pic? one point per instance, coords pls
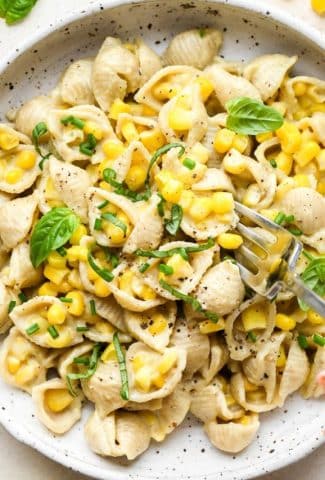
(118, 243)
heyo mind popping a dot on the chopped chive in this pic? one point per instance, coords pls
(319, 340)
(22, 297)
(75, 121)
(302, 340)
(122, 365)
(53, 331)
(82, 360)
(161, 206)
(143, 267)
(93, 362)
(98, 224)
(273, 163)
(88, 147)
(62, 251)
(32, 329)
(189, 163)
(290, 218)
(11, 306)
(92, 306)
(166, 269)
(202, 32)
(121, 188)
(82, 329)
(66, 299)
(280, 218)
(103, 204)
(111, 257)
(112, 218)
(102, 272)
(251, 336)
(295, 231)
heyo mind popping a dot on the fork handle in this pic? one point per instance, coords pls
(297, 286)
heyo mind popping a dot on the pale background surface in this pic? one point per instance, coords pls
(19, 462)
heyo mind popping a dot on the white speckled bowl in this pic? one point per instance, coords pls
(251, 28)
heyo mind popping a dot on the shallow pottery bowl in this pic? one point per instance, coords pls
(250, 28)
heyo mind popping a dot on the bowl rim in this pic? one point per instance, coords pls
(269, 12)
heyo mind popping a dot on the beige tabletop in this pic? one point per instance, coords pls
(19, 462)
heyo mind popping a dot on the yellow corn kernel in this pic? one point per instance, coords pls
(201, 208)
(158, 380)
(314, 318)
(284, 162)
(13, 364)
(207, 326)
(282, 358)
(181, 267)
(26, 159)
(180, 119)
(152, 139)
(57, 399)
(284, 187)
(135, 177)
(125, 281)
(8, 141)
(13, 175)
(245, 420)
(186, 200)
(55, 275)
(48, 288)
(114, 233)
(56, 314)
(234, 163)
(63, 340)
(165, 91)
(308, 151)
(104, 327)
(254, 318)
(290, 137)
(109, 354)
(113, 149)
(168, 361)
(20, 348)
(263, 137)
(249, 387)
(147, 111)
(138, 362)
(223, 140)
(56, 260)
(92, 128)
(64, 287)
(230, 241)
(206, 87)
(240, 143)
(101, 288)
(163, 177)
(76, 253)
(284, 322)
(74, 279)
(223, 202)
(200, 152)
(318, 6)
(129, 131)
(26, 373)
(321, 187)
(316, 107)
(159, 324)
(143, 291)
(118, 107)
(143, 378)
(320, 159)
(172, 190)
(77, 307)
(300, 88)
(301, 180)
(77, 235)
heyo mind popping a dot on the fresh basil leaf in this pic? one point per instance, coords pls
(51, 232)
(172, 225)
(15, 10)
(4, 4)
(251, 117)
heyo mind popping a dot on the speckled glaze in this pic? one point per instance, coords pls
(250, 28)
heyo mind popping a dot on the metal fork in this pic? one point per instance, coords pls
(272, 244)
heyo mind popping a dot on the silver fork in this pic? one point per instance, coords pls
(273, 242)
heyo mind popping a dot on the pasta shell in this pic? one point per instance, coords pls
(22, 274)
(295, 373)
(217, 359)
(316, 90)
(6, 295)
(75, 86)
(57, 422)
(149, 61)
(268, 72)
(316, 241)
(317, 123)
(31, 360)
(214, 179)
(109, 309)
(257, 404)
(65, 363)
(15, 228)
(33, 112)
(192, 48)
(28, 177)
(142, 325)
(312, 388)
(307, 206)
(151, 405)
(119, 434)
(232, 437)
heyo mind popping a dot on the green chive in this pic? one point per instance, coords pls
(11, 306)
(103, 204)
(66, 299)
(83, 360)
(251, 336)
(32, 329)
(110, 217)
(92, 306)
(22, 297)
(290, 218)
(88, 147)
(295, 231)
(319, 340)
(62, 251)
(189, 163)
(143, 267)
(183, 251)
(75, 121)
(302, 340)
(82, 329)
(98, 224)
(166, 269)
(273, 163)
(102, 272)
(123, 371)
(53, 331)
(109, 176)
(280, 218)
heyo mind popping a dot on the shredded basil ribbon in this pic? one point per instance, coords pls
(160, 152)
(122, 365)
(92, 367)
(39, 131)
(102, 272)
(183, 251)
(172, 225)
(112, 218)
(313, 277)
(11, 306)
(213, 317)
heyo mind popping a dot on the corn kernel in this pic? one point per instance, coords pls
(20, 349)
(63, 340)
(223, 140)
(284, 187)
(180, 119)
(91, 128)
(254, 318)
(113, 149)
(223, 202)
(13, 364)
(284, 322)
(201, 208)
(8, 141)
(48, 288)
(138, 362)
(64, 287)
(77, 307)
(282, 358)
(117, 108)
(301, 180)
(234, 163)
(143, 378)
(125, 281)
(263, 137)
(142, 291)
(290, 137)
(158, 380)
(56, 260)
(101, 288)
(57, 399)
(318, 6)
(109, 354)
(172, 190)
(207, 326)
(136, 177)
(200, 152)
(56, 314)
(308, 151)
(55, 275)
(129, 131)
(321, 187)
(26, 373)
(159, 324)
(168, 361)
(186, 200)
(314, 318)
(284, 162)
(230, 241)
(300, 88)
(206, 87)
(77, 253)
(26, 159)
(245, 420)
(152, 139)
(115, 234)
(180, 266)
(240, 143)
(13, 175)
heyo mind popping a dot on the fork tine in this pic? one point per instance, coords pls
(250, 255)
(257, 217)
(245, 274)
(251, 235)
